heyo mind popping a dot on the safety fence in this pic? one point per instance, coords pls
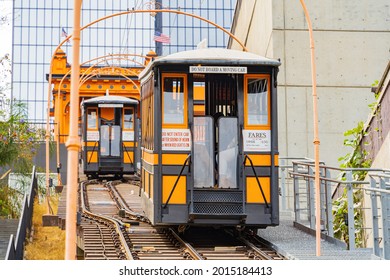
(15, 249)
(354, 211)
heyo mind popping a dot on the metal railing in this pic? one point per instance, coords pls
(298, 190)
(15, 249)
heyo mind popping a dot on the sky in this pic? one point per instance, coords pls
(6, 29)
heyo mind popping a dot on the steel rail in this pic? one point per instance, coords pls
(117, 224)
(189, 249)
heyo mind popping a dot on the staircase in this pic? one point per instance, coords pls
(7, 227)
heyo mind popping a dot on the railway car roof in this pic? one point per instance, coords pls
(110, 99)
(212, 56)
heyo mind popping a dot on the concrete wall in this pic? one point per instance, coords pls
(352, 40)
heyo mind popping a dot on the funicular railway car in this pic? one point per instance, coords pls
(209, 139)
(110, 131)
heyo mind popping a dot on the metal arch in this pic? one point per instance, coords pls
(102, 59)
(151, 11)
(97, 72)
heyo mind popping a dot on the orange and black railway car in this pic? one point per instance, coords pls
(209, 150)
(110, 133)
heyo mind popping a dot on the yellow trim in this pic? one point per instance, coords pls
(258, 76)
(185, 95)
(150, 158)
(199, 110)
(145, 182)
(253, 193)
(128, 157)
(173, 159)
(262, 160)
(199, 92)
(91, 144)
(179, 195)
(128, 144)
(94, 158)
(151, 181)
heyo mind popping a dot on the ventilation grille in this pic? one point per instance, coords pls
(217, 209)
(218, 197)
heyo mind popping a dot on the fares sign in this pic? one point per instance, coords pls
(218, 69)
(257, 140)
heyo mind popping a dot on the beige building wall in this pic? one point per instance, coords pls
(352, 46)
(381, 162)
(378, 137)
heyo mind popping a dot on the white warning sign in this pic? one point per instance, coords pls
(93, 135)
(176, 140)
(128, 135)
(218, 69)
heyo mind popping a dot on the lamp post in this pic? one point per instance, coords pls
(73, 143)
(316, 140)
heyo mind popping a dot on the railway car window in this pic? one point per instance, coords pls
(128, 120)
(173, 100)
(257, 101)
(92, 118)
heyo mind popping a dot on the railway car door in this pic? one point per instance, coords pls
(110, 139)
(215, 132)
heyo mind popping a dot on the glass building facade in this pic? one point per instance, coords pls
(40, 25)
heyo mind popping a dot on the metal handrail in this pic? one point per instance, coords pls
(327, 179)
(177, 180)
(15, 248)
(93, 150)
(127, 152)
(378, 188)
(257, 179)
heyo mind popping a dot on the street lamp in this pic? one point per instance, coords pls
(316, 140)
(73, 143)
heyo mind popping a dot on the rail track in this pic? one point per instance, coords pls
(113, 227)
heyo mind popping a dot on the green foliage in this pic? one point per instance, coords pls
(18, 146)
(358, 157)
(18, 139)
(340, 212)
(355, 159)
(10, 203)
(5, 75)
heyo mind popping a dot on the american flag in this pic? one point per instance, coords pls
(64, 34)
(162, 38)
